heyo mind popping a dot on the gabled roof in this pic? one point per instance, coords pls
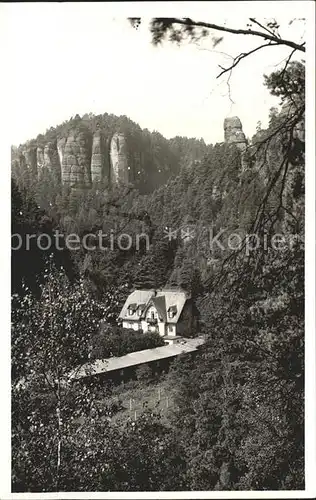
(160, 305)
(175, 299)
(163, 300)
(138, 297)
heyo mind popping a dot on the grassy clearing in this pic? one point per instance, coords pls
(129, 400)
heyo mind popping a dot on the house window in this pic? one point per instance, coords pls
(170, 328)
(172, 311)
(130, 311)
(152, 315)
(139, 312)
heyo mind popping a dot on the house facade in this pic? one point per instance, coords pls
(169, 312)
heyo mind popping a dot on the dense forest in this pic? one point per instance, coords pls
(238, 419)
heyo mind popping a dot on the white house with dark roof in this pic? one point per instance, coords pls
(169, 312)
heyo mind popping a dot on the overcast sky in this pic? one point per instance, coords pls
(68, 58)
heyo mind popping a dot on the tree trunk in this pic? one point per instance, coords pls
(59, 436)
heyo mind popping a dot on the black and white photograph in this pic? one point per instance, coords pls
(160, 177)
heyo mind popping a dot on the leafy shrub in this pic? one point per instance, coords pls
(117, 341)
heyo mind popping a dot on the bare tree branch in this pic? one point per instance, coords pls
(253, 20)
(242, 56)
(265, 36)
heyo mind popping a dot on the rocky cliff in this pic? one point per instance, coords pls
(76, 161)
(61, 148)
(112, 151)
(40, 159)
(103, 149)
(233, 134)
(119, 164)
(29, 155)
(51, 159)
(97, 158)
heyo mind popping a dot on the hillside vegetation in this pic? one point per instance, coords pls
(238, 420)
